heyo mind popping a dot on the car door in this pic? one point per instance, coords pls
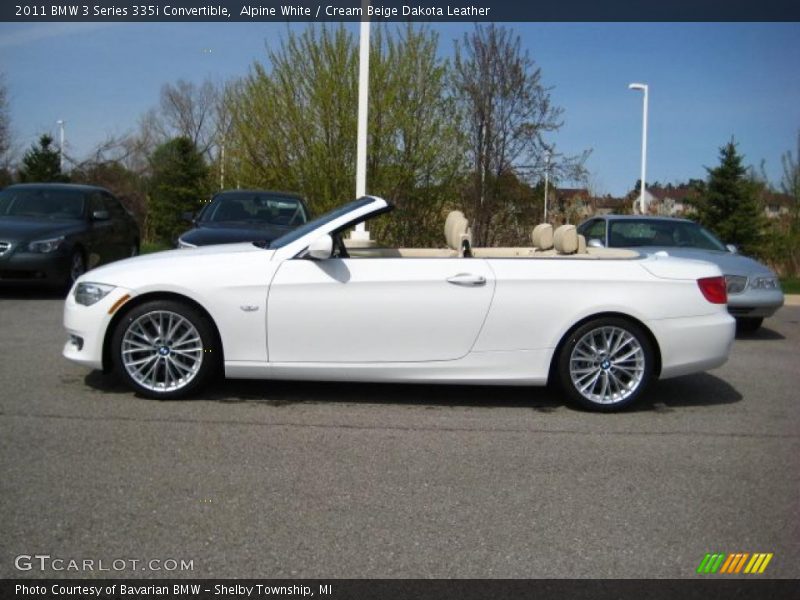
(377, 309)
(100, 238)
(121, 237)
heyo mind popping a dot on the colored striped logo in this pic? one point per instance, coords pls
(739, 562)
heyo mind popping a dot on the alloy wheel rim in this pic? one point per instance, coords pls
(162, 351)
(607, 365)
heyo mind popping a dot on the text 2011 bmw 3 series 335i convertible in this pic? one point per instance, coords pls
(600, 323)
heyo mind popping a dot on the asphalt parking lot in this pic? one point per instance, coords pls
(296, 479)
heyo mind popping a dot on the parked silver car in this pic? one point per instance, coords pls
(754, 291)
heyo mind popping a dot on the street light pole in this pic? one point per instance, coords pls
(546, 181)
(644, 89)
(361, 233)
(60, 124)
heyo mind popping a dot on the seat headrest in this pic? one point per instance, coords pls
(565, 239)
(542, 236)
(456, 229)
(582, 244)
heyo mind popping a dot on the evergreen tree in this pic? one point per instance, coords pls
(41, 163)
(728, 203)
(179, 184)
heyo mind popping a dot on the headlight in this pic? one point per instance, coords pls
(182, 244)
(735, 283)
(765, 283)
(89, 293)
(45, 246)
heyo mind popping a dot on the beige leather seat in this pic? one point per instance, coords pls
(542, 237)
(457, 232)
(565, 239)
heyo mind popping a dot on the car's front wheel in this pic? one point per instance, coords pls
(77, 266)
(165, 349)
(606, 364)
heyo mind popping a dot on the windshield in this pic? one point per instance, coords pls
(256, 208)
(41, 203)
(318, 222)
(630, 233)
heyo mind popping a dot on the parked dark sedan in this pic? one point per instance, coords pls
(53, 232)
(244, 216)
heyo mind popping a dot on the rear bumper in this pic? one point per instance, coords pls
(693, 344)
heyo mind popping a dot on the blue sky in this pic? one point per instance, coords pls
(708, 82)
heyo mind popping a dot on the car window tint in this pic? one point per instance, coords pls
(42, 203)
(255, 207)
(596, 230)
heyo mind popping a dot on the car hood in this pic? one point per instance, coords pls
(230, 233)
(171, 266)
(18, 229)
(729, 264)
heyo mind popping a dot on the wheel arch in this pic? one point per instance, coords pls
(149, 297)
(551, 376)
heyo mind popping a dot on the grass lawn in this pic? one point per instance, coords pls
(791, 285)
(148, 247)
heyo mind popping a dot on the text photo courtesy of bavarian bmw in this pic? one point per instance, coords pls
(601, 323)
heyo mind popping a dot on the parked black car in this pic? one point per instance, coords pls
(244, 216)
(53, 232)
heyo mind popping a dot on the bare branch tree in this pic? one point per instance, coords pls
(190, 111)
(507, 111)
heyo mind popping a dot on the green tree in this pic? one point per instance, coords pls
(790, 182)
(728, 203)
(178, 184)
(294, 126)
(5, 134)
(506, 112)
(41, 163)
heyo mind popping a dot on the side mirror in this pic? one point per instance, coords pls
(100, 215)
(188, 216)
(595, 243)
(732, 248)
(321, 248)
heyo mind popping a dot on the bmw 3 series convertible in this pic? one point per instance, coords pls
(599, 323)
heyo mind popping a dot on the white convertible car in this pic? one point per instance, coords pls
(602, 323)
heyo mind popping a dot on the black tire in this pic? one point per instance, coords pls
(630, 374)
(134, 250)
(77, 267)
(749, 324)
(194, 363)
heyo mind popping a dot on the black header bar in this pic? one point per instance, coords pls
(398, 10)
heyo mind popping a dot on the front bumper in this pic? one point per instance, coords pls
(35, 267)
(87, 327)
(755, 303)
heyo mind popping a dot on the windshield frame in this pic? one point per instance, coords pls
(322, 220)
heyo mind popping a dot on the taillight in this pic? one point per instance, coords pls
(714, 289)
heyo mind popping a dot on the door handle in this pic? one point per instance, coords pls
(467, 279)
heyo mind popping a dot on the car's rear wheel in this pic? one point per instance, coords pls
(749, 324)
(165, 349)
(606, 364)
